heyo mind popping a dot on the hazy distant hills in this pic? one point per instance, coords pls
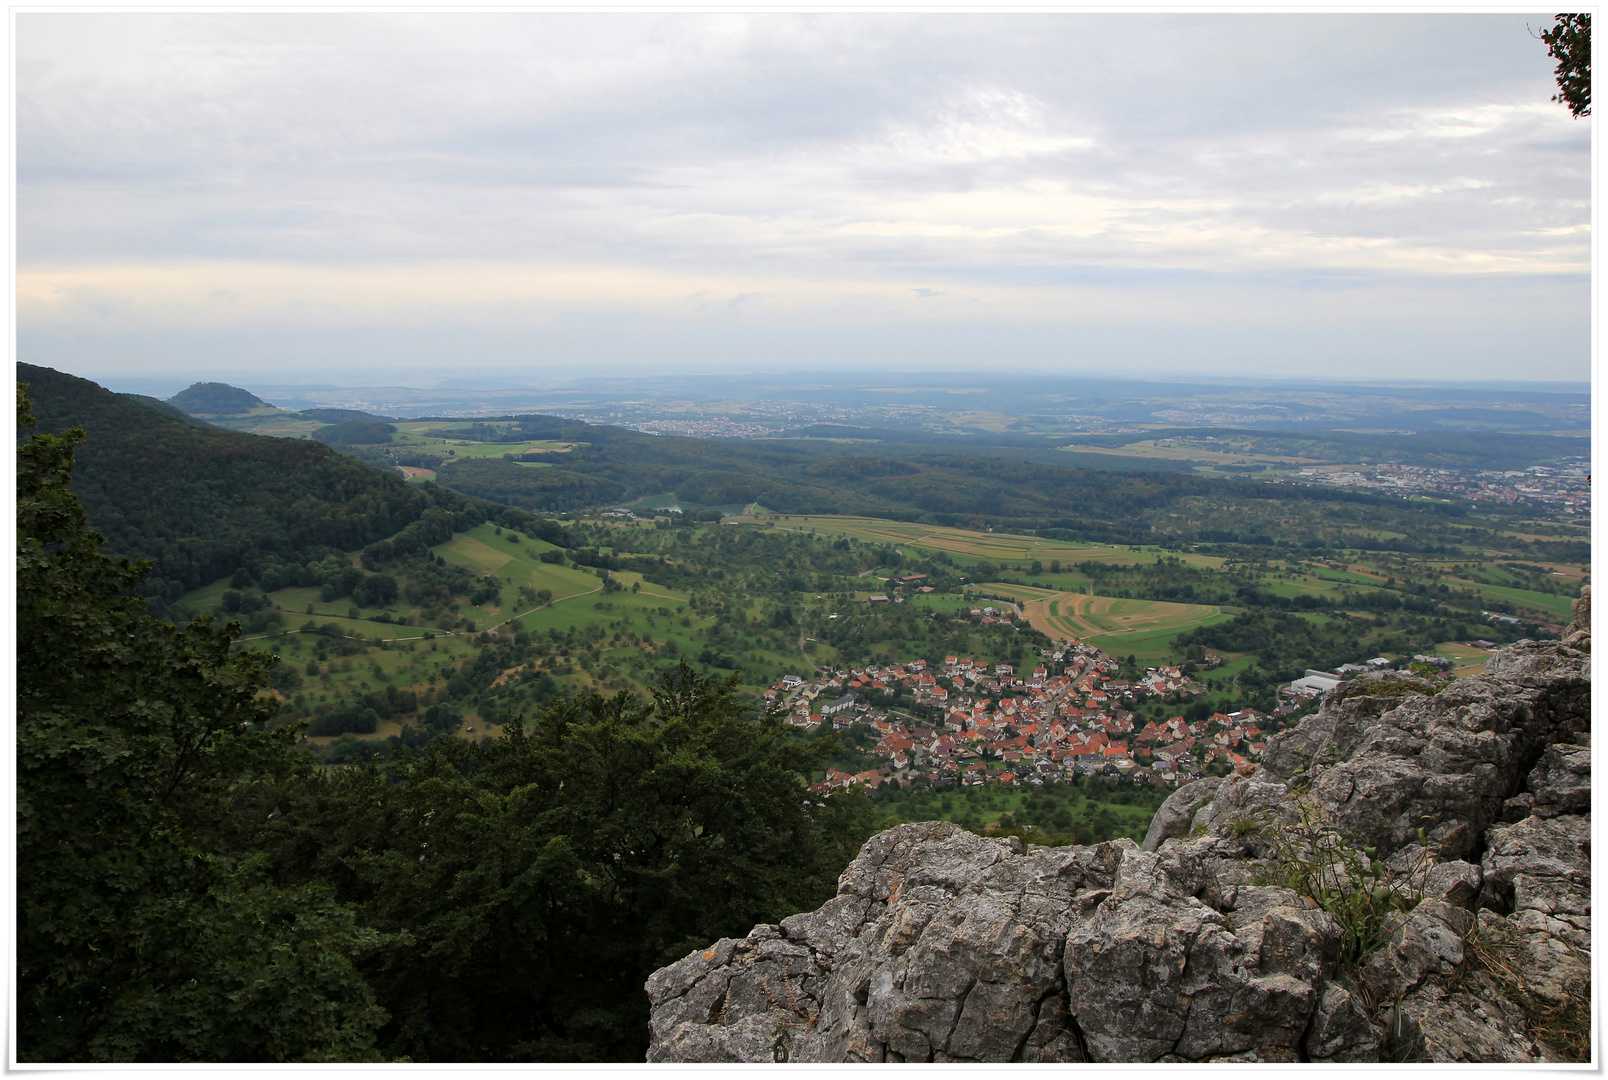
(217, 399)
(231, 407)
(203, 500)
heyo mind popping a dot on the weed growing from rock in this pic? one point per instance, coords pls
(1310, 857)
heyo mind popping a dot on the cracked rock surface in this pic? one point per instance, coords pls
(946, 946)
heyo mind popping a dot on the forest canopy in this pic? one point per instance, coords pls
(193, 887)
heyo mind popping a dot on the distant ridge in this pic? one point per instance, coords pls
(217, 399)
(337, 416)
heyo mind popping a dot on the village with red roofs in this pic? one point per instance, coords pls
(973, 722)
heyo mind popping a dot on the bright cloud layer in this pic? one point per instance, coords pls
(1390, 177)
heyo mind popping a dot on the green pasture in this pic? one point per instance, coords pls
(408, 665)
(1557, 608)
(281, 425)
(1301, 586)
(1466, 659)
(1151, 646)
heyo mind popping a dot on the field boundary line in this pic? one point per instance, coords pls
(539, 607)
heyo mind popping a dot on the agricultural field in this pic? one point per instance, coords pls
(356, 649)
(964, 544)
(1466, 659)
(607, 604)
(1183, 449)
(1111, 624)
(454, 440)
(269, 421)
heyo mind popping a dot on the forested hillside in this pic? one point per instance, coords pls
(191, 887)
(213, 398)
(203, 502)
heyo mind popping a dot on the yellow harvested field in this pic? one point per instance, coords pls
(998, 547)
(1068, 616)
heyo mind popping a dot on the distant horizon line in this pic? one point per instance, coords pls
(489, 382)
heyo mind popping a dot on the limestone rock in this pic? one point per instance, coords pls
(1539, 869)
(1473, 1023)
(1154, 972)
(1579, 632)
(1559, 784)
(1386, 766)
(941, 945)
(1456, 882)
(1176, 816)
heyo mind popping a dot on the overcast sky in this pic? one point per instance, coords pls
(355, 195)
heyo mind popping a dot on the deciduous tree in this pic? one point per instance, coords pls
(1569, 43)
(140, 936)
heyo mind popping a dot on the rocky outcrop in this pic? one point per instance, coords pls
(1463, 813)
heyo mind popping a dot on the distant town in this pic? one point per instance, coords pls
(1564, 487)
(973, 722)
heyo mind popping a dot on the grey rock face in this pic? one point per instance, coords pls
(945, 946)
(1559, 784)
(1579, 632)
(1540, 870)
(1387, 766)
(940, 946)
(1175, 817)
(1155, 972)
(1473, 1023)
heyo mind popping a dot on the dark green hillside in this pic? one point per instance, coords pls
(202, 501)
(335, 416)
(532, 489)
(347, 432)
(216, 399)
(163, 407)
(808, 477)
(1460, 449)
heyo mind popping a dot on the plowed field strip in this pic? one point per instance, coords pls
(1065, 616)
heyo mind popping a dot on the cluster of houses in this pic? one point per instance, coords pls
(977, 723)
(1565, 486)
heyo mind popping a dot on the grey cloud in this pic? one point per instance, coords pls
(783, 143)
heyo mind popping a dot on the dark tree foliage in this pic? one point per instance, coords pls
(335, 416)
(201, 501)
(1459, 449)
(1020, 488)
(356, 432)
(1569, 43)
(531, 883)
(215, 399)
(534, 489)
(1285, 644)
(140, 937)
